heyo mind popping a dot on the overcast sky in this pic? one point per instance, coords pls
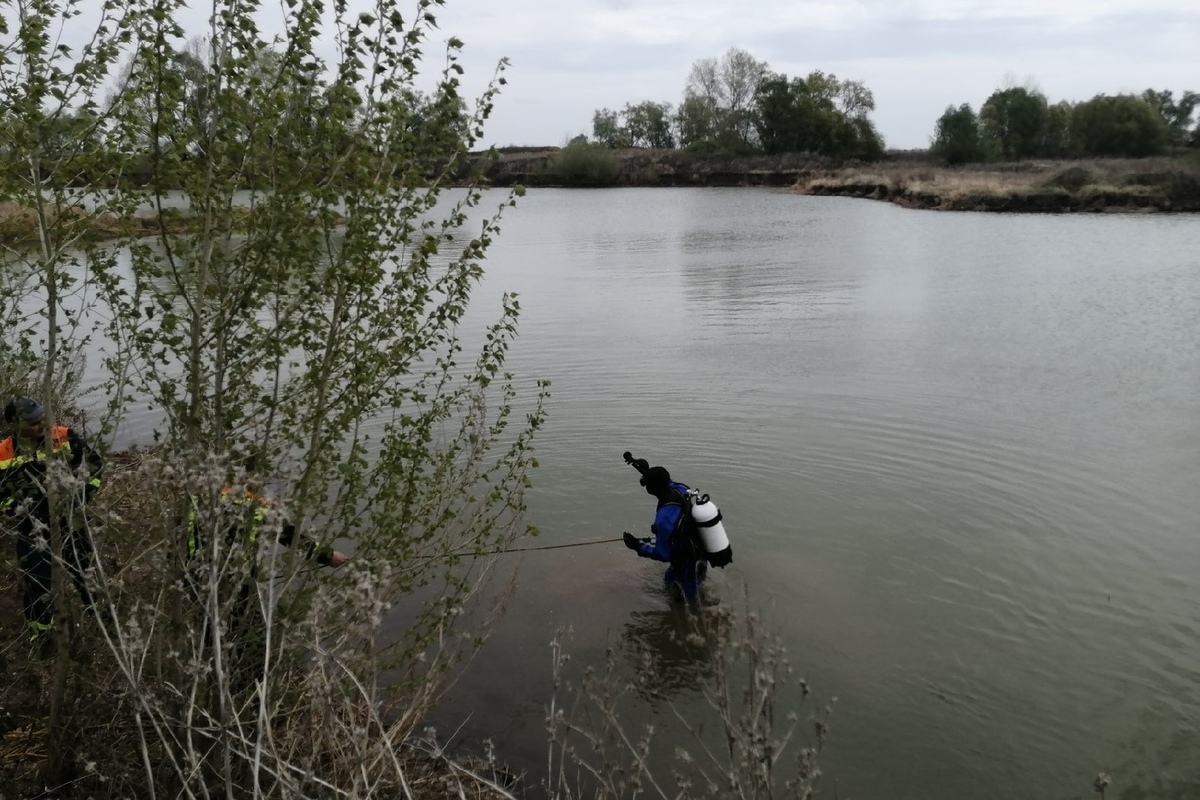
(571, 57)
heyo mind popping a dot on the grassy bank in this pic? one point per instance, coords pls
(19, 224)
(1169, 184)
(102, 743)
(1110, 185)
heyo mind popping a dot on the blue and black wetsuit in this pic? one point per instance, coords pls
(675, 542)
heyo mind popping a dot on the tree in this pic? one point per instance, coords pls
(859, 139)
(957, 138)
(696, 122)
(777, 115)
(1121, 125)
(1017, 119)
(607, 129)
(649, 124)
(819, 118)
(51, 129)
(855, 100)
(582, 163)
(740, 74)
(704, 83)
(1058, 130)
(1176, 115)
(718, 99)
(816, 114)
(316, 318)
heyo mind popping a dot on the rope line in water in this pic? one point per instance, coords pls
(529, 549)
(488, 552)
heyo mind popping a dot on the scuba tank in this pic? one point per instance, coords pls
(706, 517)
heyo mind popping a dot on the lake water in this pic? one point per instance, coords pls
(958, 457)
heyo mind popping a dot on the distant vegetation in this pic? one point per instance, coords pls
(736, 106)
(1019, 122)
(582, 163)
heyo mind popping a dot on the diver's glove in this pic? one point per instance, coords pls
(631, 541)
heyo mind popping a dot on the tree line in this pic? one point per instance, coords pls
(736, 105)
(1018, 122)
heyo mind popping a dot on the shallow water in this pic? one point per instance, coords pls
(957, 455)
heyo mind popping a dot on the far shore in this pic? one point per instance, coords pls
(1106, 186)
(907, 178)
(19, 225)
(1164, 184)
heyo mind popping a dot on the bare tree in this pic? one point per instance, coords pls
(719, 96)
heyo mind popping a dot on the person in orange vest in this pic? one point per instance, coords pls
(240, 517)
(25, 507)
(244, 514)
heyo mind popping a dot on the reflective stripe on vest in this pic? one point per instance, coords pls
(262, 507)
(38, 629)
(10, 458)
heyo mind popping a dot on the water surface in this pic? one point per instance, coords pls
(958, 457)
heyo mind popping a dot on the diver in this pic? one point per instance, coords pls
(676, 540)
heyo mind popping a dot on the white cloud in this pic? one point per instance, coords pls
(571, 57)
(918, 56)
(1070, 11)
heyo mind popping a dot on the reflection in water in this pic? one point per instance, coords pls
(673, 648)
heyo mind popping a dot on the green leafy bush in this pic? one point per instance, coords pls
(584, 164)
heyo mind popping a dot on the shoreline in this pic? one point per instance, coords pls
(1125, 186)
(19, 224)
(430, 770)
(1056, 187)
(1168, 184)
(911, 180)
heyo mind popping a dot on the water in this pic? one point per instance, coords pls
(957, 455)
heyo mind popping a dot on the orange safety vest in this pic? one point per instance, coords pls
(8, 449)
(261, 506)
(10, 458)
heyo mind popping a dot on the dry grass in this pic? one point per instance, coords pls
(1092, 185)
(102, 738)
(19, 224)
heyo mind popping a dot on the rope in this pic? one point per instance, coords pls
(527, 549)
(491, 552)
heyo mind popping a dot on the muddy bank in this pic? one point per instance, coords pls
(906, 178)
(536, 166)
(101, 738)
(20, 227)
(1169, 185)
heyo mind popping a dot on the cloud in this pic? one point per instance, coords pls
(918, 56)
(572, 57)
